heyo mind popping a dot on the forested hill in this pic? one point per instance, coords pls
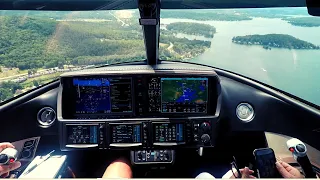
(304, 21)
(23, 41)
(193, 28)
(34, 42)
(274, 40)
(62, 14)
(204, 15)
(29, 43)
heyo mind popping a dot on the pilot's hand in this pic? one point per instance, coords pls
(245, 173)
(288, 171)
(5, 169)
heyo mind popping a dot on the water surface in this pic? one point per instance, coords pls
(294, 71)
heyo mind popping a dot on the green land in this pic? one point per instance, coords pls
(269, 41)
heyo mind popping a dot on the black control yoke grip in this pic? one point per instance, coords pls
(299, 152)
(306, 166)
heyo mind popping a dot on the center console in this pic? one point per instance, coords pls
(149, 112)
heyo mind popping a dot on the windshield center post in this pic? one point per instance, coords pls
(150, 22)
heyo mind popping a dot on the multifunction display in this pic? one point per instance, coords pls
(125, 133)
(168, 132)
(178, 95)
(184, 95)
(82, 134)
(103, 95)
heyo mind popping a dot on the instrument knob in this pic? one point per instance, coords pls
(145, 126)
(139, 155)
(300, 148)
(205, 138)
(205, 127)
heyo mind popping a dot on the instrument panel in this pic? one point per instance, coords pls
(120, 110)
(142, 134)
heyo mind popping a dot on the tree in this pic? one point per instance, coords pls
(60, 65)
(8, 89)
(35, 83)
(34, 71)
(12, 86)
(5, 94)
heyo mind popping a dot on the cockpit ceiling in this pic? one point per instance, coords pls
(80, 5)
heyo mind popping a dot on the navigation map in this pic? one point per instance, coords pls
(185, 90)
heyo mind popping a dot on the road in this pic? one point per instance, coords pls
(118, 19)
(19, 75)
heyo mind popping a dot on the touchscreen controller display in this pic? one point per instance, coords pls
(82, 134)
(126, 133)
(168, 132)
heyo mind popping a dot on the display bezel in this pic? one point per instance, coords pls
(137, 111)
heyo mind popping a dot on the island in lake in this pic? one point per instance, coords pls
(304, 21)
(205, 15)
(274, 40)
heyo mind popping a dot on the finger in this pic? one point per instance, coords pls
(5, 145)
(283, 171)
(287, 166)
(245, 173)
(250, 171)
(252, 177)
(279, 158)
(7, 168)
(5, 175)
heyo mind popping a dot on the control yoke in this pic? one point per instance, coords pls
(299, 152)
(8, 156)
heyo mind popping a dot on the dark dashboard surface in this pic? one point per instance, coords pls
(272, 113)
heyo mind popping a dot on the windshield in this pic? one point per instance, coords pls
(276, 46)
(37, 46)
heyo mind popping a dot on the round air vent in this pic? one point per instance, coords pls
(46, 116)
(245, 112)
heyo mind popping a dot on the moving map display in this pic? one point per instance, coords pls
(184, 95)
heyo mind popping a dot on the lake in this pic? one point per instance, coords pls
(294, 71)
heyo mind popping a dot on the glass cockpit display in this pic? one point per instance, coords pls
(82, 134)
(102, 95)
(168, 132)
(184, 95)
(126, 133)
(178, 95)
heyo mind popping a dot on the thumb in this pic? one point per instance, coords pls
(245, 173)
(282, 170)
